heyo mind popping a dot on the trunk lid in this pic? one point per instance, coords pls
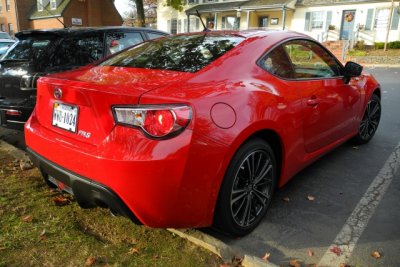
(89, 94)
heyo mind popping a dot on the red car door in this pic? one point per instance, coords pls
(330, 106)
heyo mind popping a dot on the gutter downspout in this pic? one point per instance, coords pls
(16, 16)
(283, 17)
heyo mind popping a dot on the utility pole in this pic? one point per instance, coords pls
(388, 26)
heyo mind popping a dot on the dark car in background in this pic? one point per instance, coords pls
(41, 52)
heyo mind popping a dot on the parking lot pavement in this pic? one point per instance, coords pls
(299, 228)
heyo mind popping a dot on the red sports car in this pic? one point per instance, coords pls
(198, 129)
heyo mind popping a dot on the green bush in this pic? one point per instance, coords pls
(360, 45)
(390, 45)
(357, 53)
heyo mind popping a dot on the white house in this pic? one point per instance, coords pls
(322, 19)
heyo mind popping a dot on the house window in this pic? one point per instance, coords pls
(174, 26)
(3, 28)
(317, 19)
(230, 23)
(8, 6)
(40, 5)
(10, 29)
(191, 2)
(53, 4)
(381, 19)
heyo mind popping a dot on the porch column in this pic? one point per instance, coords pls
(215, 20)
(248, 19)
(188, 22)
(283, 16)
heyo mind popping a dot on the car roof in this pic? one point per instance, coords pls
(283, 34)
(76, 30)
(7, 41)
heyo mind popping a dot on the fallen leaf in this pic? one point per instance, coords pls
(225, 264)
(286, 199)
(61, 201)
(43, 232)
(336, 250)
(25, 165)
(311, 198)
(310, 253)
(311, 265)
(90, 261)
(376, 254)
(42, 235)
(237, 261)
(27, 218)
(355, 147)
(344, 265)
(266, 256)
(294, 263)
(133, 251)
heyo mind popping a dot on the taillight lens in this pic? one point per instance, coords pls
(156, 121)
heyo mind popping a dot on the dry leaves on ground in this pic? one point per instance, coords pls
(295, 263)
(310, 253)
(61, 201)
(42, 235)
(311, 198)
(336, 250)
(376, 254)
(266, 256)
(344, 265)
(27, 218)
(134, 251)
(90, 261)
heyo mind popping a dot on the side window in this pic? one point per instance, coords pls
(117, 41)
(154, 35)
(310, 60)
(277, 63)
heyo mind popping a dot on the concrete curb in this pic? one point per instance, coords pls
(219, 248)
(196, 237)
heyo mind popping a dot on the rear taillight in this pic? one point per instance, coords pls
(156, 121)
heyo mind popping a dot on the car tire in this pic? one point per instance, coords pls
(247, 189)
(370, 121)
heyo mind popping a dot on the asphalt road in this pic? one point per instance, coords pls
(339, 182)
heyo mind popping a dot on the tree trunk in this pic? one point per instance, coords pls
(140, 21)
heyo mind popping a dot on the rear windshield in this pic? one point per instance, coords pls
(186, 53)
(30, 48)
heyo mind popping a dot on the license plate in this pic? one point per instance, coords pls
(65, 116)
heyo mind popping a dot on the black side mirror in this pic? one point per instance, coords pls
(351, 69)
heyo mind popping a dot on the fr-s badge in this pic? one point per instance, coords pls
(84, 134)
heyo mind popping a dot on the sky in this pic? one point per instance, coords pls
(122, 6)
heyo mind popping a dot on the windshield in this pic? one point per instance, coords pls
(4, 35)
(6, 44)
(30, 47)
(186, 53)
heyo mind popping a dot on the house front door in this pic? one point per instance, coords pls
(347, 29)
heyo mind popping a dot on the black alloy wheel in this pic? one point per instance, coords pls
(370, 121)
(247, 189)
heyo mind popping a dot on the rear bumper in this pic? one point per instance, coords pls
(88, 194)
(168, 183)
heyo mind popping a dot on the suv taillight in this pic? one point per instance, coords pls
(156, 121)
